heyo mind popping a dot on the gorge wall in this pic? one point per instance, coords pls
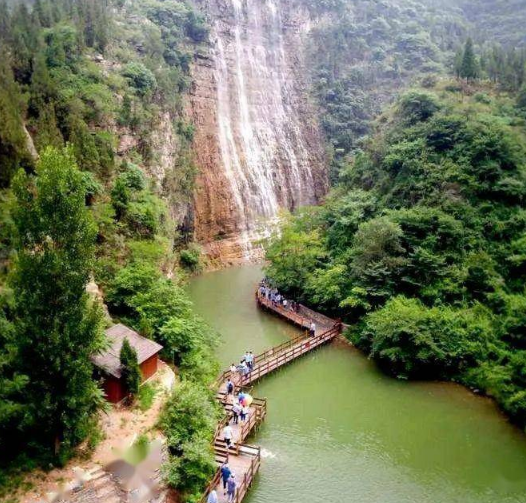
(257, 142)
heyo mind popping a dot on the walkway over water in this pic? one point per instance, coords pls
(364, 435)
(245, 460)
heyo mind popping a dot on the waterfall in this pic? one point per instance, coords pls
(270, 156)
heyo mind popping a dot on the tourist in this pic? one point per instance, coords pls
(249, 358)
(312, 329)
(212, 497)
(243, 368)
(231, 488)
(236, 410)
(244, 413)
(233, 370)
(229, 387)
(225, 475)
(285, 303)
(228, 434)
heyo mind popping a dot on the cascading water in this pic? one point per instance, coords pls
(258, 144)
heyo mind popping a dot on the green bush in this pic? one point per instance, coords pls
(417, 341)
(141, 78)
(191, 258)
(188, 421)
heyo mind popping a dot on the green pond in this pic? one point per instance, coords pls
(338, 430)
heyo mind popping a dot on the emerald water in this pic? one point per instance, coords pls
(338, 430)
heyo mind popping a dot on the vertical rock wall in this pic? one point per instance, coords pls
(257, 140)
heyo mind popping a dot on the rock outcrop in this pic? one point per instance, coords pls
(257, 141)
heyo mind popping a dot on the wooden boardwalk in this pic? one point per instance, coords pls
(245, 460)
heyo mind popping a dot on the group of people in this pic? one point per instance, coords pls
(276, 298)
(228, 478)
(240, 403)
(266, 291)
(246, 365)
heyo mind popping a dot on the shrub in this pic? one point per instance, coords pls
(131, 372)
(418, 106)
(416, 341)
(188, 421)
(141, 78)
(191, 258)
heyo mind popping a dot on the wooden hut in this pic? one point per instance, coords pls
(109, 365)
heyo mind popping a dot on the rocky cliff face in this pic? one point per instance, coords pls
(257, 141)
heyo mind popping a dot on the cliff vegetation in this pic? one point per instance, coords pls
(96, 174)
(419, 245)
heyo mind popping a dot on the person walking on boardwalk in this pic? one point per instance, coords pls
(228, 434)
(236, 410)
(229, 387)
(225, 475)
(249, 358)
(312, 329)
(212, 497)
(233, 370)
(231, 488)
(244, 413)
(243, 368)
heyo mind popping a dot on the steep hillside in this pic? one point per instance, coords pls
(421, 243)
(110, 80)
(363, 53)
(91, 100)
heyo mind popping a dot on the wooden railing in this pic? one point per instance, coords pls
(264, 363)
(301, 347)
(249, 475)
(290, 314)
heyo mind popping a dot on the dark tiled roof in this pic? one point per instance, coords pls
(109, 360)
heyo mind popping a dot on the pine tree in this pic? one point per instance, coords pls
(131, 372)
(469, 69)
(47, 132)
(57, 328)
(457, 63)
(13, 140)
(12, 404)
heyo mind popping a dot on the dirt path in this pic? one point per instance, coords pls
(120, 427)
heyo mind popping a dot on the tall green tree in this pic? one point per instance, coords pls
(57, 327)
(13, 141)
(12, 384)
(131, 372)
(469, 69)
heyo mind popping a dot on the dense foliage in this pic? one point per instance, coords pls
(54, 328)
(108, 79)
(362, 53)
(421, 243)
(189, 421)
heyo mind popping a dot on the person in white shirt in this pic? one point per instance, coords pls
(212, 497)
(228, 434)
(244, 368)
(312, 329)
